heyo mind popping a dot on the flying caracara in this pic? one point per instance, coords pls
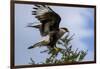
(49, 25)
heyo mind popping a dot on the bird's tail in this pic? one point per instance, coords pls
(39, 44)
(35, 45)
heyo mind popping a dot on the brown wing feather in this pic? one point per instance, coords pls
(46, 16)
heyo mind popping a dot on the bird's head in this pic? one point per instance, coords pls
(64, 30)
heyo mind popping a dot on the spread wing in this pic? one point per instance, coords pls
(47, 17)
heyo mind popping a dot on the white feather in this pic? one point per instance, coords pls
(46, 39)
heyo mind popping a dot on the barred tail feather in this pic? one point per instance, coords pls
(39, 44)
(30, 47)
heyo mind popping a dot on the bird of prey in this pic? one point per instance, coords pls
(54, 37)
(49, 25)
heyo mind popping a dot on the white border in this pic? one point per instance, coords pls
(5, 34)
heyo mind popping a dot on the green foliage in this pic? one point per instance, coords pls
(68, 55)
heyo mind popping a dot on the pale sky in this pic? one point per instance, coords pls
(80, 21)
